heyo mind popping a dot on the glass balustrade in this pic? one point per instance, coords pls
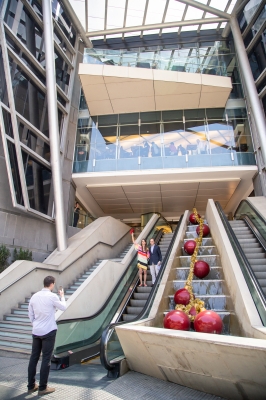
(191, 60)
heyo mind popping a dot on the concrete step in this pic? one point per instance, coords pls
(20, 311)
(216, 272)
(205, 241)
(203, 286)
(15, 343)
(17, 318)
(212, 302)
(204, 250)
(24, 305)
(26, 326)
(212, 260)
(16, 333)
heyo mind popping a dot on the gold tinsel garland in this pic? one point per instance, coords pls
(196, 303)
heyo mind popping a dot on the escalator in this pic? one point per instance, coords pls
(79, 339)
(247, 234)
(111, 352)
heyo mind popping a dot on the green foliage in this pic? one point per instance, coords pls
(22, 255)
(4, 254)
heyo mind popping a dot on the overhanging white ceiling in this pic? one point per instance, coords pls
(103, 15)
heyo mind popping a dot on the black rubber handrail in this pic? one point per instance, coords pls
(106, 335)
(251, 280)
(109, 297)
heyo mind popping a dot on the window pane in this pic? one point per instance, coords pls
(8, 123)
(3, 90)
(39, 184)
(36, 144)
(15, 172)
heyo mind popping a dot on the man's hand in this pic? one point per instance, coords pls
(61, 292)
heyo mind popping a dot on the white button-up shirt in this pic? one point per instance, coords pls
(42, 310)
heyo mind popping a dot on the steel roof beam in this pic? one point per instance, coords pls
(155, 26)
(206, 8)
(144, 16)
(183, 18)
(125, 17)
(164, 14)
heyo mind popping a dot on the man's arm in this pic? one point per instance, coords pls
(31, 313)
(160, 254)
(60, 305)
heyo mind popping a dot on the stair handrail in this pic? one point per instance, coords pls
(254, 229)
(250, 278)
(110, 328)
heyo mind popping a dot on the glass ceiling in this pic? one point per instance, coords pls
(113, 14)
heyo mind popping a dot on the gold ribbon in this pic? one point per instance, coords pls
(193, 302)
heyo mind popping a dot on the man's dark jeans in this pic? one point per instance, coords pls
(44, 344)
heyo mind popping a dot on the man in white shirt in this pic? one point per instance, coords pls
(42, 308)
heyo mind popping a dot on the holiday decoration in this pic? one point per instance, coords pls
(182, 296)
(205, 230)
(190, 246)
(176, 320)
(201, 269)
(208, 322)
(192, 219)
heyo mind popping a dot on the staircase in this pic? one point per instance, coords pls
(15, 329)
(212, 289)
(253, 250)
(141, 293)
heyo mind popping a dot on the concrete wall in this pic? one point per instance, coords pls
(259, 203)
(104, 238)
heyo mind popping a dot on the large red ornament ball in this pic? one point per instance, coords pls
(189, 247)
(176, 319)
(182, 296)
(208, 322)
(205, 231)
(192, 219)
(201, 269)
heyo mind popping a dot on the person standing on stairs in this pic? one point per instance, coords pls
(143, 256)
(42, 308)
(155, 259)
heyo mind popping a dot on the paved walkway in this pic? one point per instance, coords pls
(89, 382)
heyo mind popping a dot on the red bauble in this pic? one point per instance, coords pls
(131, 231)
(192, 219)
(201, 269)
(182, 296)
(189, 247)
(176, 319)
(208, 322)
(205, 231)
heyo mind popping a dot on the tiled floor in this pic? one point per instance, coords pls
(89, 381)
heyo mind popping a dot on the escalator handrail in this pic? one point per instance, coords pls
(106, 335)
(254, 230)
(252, 208)
(109, 297)
(244, 264)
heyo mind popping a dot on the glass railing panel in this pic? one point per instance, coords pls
(105, 165)
(246, 158)
(258, 221)
(211, 63)
(222, 159)
(74, 334)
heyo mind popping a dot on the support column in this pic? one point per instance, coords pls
(53, 126)
(251, 90)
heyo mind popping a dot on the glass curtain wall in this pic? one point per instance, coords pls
(29, 164)
(167, 139)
